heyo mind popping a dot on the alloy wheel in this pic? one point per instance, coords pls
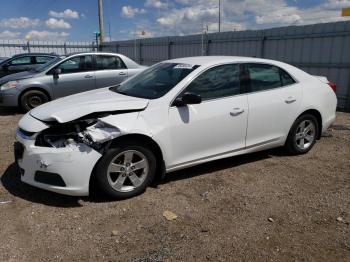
(305, 134)
(127, 171)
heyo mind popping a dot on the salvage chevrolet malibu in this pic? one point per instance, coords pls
(173, 115)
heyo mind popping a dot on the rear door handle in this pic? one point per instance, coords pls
(122, 73)
(290, 100)
(236, 111)
(88, 76)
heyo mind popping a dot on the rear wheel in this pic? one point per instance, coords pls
(126, 171)
(302, 136)
(32, 99)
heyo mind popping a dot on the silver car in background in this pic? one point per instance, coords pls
(65, 76)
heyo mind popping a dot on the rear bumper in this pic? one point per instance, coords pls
(42, 167)
(328, 122)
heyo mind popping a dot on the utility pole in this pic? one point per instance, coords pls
(219, 16)
(109, 31)
(100, 21)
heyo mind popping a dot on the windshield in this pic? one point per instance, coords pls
(155, 81)
(43, 67)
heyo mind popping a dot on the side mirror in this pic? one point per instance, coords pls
(56, 72)
(188, 98)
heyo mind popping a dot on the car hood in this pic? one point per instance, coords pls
(76, 106)
(17, 76)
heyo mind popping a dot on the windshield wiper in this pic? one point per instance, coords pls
(115, 89)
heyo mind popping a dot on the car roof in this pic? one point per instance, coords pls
(35, 54)
(92, 53)
(212, 60)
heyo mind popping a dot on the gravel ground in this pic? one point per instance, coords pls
(262, 206)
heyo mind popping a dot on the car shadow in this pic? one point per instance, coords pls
(222, 164)
(12, 182)
(9, 111)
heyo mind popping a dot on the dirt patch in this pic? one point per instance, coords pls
(261, 206)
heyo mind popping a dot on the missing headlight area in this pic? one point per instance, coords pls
(91, 132)
(100, 132)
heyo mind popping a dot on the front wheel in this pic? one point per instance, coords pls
(126, 171)
(303, 134)
(32, 99)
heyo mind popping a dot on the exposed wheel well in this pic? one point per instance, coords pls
(318, 116)
(31, 89)
(151, 144)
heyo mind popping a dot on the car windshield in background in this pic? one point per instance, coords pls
(155, 81)
(43, 67)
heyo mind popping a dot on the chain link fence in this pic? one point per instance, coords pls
(9, 48)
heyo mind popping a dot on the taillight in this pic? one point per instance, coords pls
(333, 86)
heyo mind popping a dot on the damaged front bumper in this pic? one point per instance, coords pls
(60, 157)
(66, 170)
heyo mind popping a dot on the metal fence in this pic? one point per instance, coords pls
(9, 48)
(320, 49)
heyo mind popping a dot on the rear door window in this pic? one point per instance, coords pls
(104, 62)
(263, 77)
(43, 59)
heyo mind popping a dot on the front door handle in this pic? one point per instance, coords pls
(88, 76)
(122, 73)
(290, 100)
(236, 111)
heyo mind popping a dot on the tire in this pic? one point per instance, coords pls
(32, 99)
(300, 140)
(128, 182)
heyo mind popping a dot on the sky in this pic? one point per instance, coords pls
(76, 20)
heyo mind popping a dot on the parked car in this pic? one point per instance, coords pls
(24, 62)
(173, 115)
(62, 77)
(3, 58)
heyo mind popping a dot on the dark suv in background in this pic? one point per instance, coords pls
(24, 62)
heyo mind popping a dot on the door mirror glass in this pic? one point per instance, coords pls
(56, 72)
(188, 98)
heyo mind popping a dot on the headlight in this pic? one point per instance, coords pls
(9, 85)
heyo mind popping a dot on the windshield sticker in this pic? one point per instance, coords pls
(183, 66)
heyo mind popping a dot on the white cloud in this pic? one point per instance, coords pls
(227, 26)
(54, 23)
(9, 35)
(129, 12)
(183, 2)
(19, 22)
(46, 35)
(68, 13)
(187, 15)
(336, 4)
(156, 4)
(243, 14)
(183, 17)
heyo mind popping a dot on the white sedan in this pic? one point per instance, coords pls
(175, 114)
